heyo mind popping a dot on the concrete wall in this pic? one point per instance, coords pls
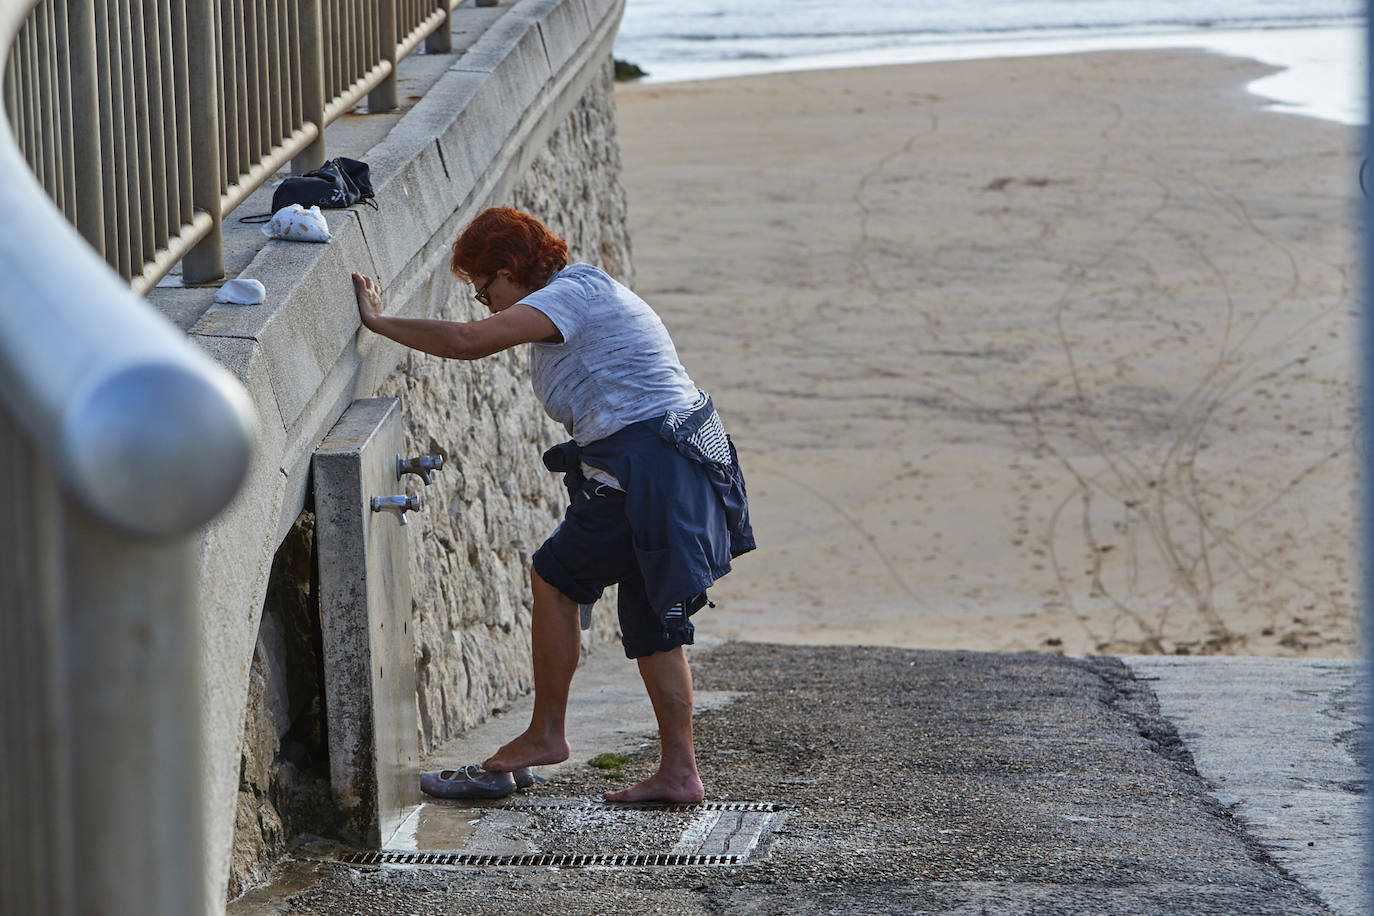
(526, 118)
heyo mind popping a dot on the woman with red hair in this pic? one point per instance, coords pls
(657, 500)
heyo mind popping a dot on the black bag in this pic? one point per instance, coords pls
(340, 182)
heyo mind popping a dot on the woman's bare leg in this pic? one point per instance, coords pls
(555, 643)
(668, 679)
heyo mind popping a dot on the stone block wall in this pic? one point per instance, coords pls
(483, 517)
(284, 763)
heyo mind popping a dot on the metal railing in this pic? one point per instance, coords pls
(146, 121)
(119, 440)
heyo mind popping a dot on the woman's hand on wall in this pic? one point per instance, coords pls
(510, 327)
(369, 293)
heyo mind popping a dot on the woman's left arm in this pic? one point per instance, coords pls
(453, 339)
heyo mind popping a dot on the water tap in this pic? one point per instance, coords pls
(398, 504)
(424, 465)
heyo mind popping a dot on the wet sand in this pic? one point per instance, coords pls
(1026, 354)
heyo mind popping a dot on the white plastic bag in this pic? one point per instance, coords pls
(297, 224)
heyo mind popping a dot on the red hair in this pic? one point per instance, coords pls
(502, 238)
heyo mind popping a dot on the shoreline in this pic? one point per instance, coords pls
(1021, 354)
(1326, 84)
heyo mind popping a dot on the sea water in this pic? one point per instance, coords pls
(1319, 43)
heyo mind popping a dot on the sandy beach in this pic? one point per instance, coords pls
(1043, 354)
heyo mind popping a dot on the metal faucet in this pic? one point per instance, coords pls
(398, 504)
(423, 465)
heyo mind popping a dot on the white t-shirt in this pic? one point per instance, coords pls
(616, 364)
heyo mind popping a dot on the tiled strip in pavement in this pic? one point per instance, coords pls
(1279, 740)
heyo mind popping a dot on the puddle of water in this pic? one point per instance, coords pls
(432, 826)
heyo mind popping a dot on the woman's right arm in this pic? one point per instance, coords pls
(452, 339)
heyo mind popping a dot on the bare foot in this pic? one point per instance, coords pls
(682, 790)
(527, 751)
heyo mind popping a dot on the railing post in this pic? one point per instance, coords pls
(90, 184)
(1365, 449)
(132, 658)
(204, 262)
(311, 48)
(384, 97)
(440, 41)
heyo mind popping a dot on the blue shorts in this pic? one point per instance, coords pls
(591, 549)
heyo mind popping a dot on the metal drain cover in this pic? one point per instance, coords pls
(571, 832)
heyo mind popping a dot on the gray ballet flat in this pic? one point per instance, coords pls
(468, 782)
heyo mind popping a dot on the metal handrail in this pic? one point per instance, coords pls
(146, 121)
(119, 439)
(150, 433)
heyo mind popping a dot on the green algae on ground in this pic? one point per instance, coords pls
(613, 764)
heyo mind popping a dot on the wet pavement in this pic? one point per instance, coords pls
(886, 781)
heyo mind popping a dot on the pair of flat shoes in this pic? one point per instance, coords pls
(472, 781)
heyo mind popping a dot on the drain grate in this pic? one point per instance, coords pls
(555, 860)
(560, 832)
(564, 803)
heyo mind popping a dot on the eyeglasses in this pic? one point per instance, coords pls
(481, 294)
